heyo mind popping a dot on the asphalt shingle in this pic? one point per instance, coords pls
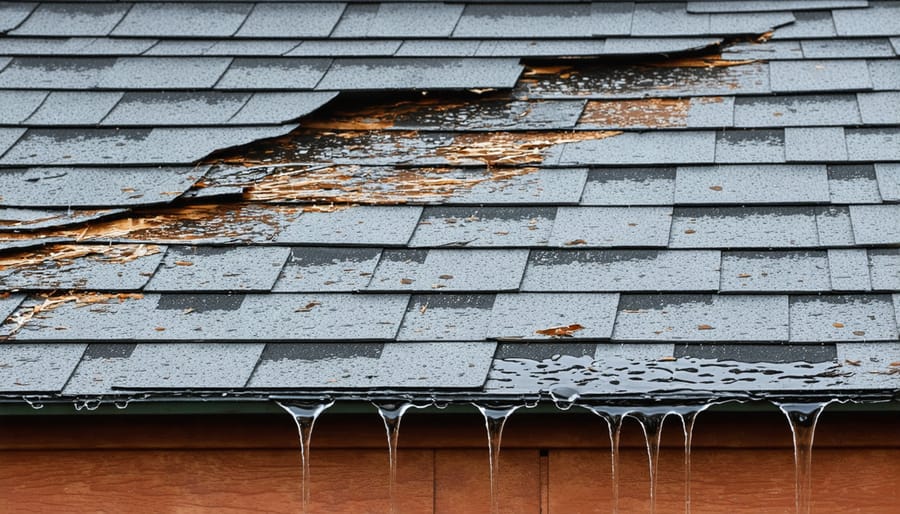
(449, 270)
(873, 144)
(738, 227)
(558, 186)
(524, 20)
(750, 146)
(775, 272)
(72, 19)
(842, 318)
(177, 108)
(54, 73)
(345, 48)
(265, 108)
(878, 108)
(480, 227)
(410, 73)
(213, 269)
(12, 14)
(812, 24)
(888, 175)
(667, 19)
(876, 224)
(8, 304)
(291, 20)
(711, 6)
(834, 227)
(446, 318)
(654, 45)
(325, 269)
(275, 73)
(16, 106)
(885, 74)
(759, 184)
(849, 270)
(357, 226)
(186, 19)
(163, 73)
(682, 147)
(884, 266)
(878, 19)
(796, 110)
(611, 226)
(846, 48)
(414, 20)
(37, 367)
(75, 108)
(629, 186)
(814, 144)
(525, 316)
(853, 183)
(819, 75)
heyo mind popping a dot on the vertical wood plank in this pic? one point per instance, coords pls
(462, 481)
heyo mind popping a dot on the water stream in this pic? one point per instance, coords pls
(613, 416)
(391, 414)
(688, 419)
(803, 418)
(305, 415)
(495, 417)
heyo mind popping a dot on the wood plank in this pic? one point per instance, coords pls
(462, 481)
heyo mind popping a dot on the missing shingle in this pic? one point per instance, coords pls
(541, 351)
(773, 353)
(200, 303)
(320, 351)
(108, 351)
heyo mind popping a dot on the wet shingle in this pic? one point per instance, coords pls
(842, 318)
(186, 19)
(795, 110)
(54, 73)
(488, 226)
(885, 74)
(541, 48)
(113, 46)
(888, 175)
(673, 147)
(274, 73)
(878, 108)
(72, 19)
(8, 304)
(833, 224)
(878, 19)
(775, 272)
(811, 24)
(24, 220)
(438, 48)
(446, 318)
(622, 270)
(667, 19)
(819, 75)
(752, 353)
(265, 108)
(884, 265)
(75, 108)
(183, 108)
(631, 45)
(533, 20)
(414, 20)
(12, 14)
(711, 6)
(751, 184)
(846, 48)
(197, 268)
(814, 144)
(284, 20)
(770, 50)
(345, 48)
(873, 144)
(449, 270)
(410, 73)
(750, 146)
(544, 186)
(15, 106)
(748, 23)
(611, 226)
(629, 186)
(37, 367)
(702, 318)
(849, 270)
(744, 227)
(853, 183)
(163, 72)
(523, 316)
(327, 269)
(358, 226)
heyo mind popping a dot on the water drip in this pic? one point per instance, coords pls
(495, 417)
(391, 414)
(305, 415)
(33, 403)
(802, 418)
(613, 416)
(651, 420)
(688, 416)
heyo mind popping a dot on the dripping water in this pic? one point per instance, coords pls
(391, 414)
(613, 416)
(688, 416)
(305, 415)
(651, 420)
(802, 418)
(495, 417)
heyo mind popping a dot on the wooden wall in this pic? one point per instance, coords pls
(742, 463)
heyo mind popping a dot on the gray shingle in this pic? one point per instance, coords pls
(40, 46)
(355, 20)
(629, 186)
(667, 19)
(103, 268)
(411, 73)
(12, 14)
(750, 146)
(814, 144)
(849, 270)
(885, 74)
(24, 220)
(888, 175)
(633, 45)
(449, 270)
(876, 224)
(178, 108)
(414, 20)
(530, 21)
(775, 272)
(895, 42)
(345, 48)
(164, 72)
(760, 353)
(884, 265)
(265, 108)
(500, 114)
(37, 367)
(808, 25)
(325, 269)
(487, 226)
(72, 19)
(846, 48)
(622, 270)
(682, 147)
(274, 73)
(181, 47)
(75, 108)
(770, 50)
(15, 106)
(544, 186)
(284, 20)
(541, 48)
(521, 316)
(183, 19)
(751, 184)
(842, 318)
(8, 305)
(221, 318)
(833, 224)
(54, 73)
(748, 23)
(702, 318)
(252, 47)
(709, 6)
(438, 48)
(202, 269)
(446, 318)
(805, 110)
(358, 226)
(113, 46)
(711, 112)
(744, 227)
(611, 226)
(819, 75)
(878, 19)
(853, 183)
(873, 144)
(879, 108)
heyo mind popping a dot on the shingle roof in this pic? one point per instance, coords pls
(474, 199)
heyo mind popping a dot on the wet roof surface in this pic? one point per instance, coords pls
(477, 198)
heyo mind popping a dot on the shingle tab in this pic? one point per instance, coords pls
(15, 106)
(751, 184)
(285, 20)
(748, 23)
(163, 72)
(878, 19)
(410, 73)
(682, 147)
(198, 268)
(438, 48)
(750, 146)
(653, 45)
(12, 14)
(667, 19)
(358, 226)
(54, 73)
(274, 73)
(710, 6)
(611, 226)
(833, 224)
(744, 227)
(846, 48)
(449, 270)
(775, 272)
(531, 20)
(175, 108)
(24, 220)
(75, 108)
(327, 269)
(842, 318)
(884, 266)
(488, 226)
(814, 144)
(345, 48)
(8, 305)
(415, 20)
(888, 175)
(629, 186)
(541, 48)
(37, 367)
(819, 75)
(702, 318)
(544, 186)
(183, 19)
(849, 270)
(769, 50)
(522, 316)
(878, 108)
(811, 24)
(264, 108)
(873, 144)
(885, 74)
(622, 270)
(72, 19)
(446, 318)
(853, 183)
(795, 110)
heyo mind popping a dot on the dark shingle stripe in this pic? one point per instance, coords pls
(72, 19)
(759, 352)
(409, 73)
(629, 186)
(750, 146)
(446, 318)
(213, 269)
(291, 20)
(853, 184)
(324, 269)
(842, 318)
(849, 270)
(775, 272)
(708, 6)
(444, 270)
(523, 316)
(183, 19)
(834, 227)
(54, 73)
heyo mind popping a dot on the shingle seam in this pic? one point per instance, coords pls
(244, 21)
(127, 12)
(215, 86)
(25, 19)
(74, 368)
(337, 21)
(241, 108)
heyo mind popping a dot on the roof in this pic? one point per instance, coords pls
(449, 199)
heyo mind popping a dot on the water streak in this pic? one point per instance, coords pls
(305, 414)
(651, 420)
(688, 418)
(803, 418)
(391, 414)
(613, 416)
(495, 417)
